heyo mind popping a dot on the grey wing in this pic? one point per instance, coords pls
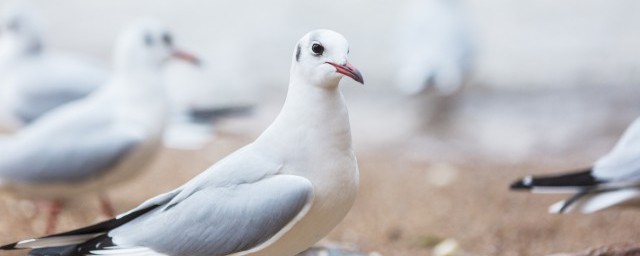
(60, 80)
(65, 155)
(219, 220)
(35, 105)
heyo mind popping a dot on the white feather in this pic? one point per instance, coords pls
(555, 190)
(54, 241)
(608, 199)
(134, 251)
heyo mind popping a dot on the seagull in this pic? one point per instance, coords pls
(105, 138)
(435, 52)
(276, 196)
(33, 79)
(613, 180)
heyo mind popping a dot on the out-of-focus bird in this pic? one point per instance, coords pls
(613, 180)
(190, 128)
(434, 47)
(276, 196)
(33, 78)
(103, 139)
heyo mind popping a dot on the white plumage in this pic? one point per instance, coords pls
(276, 196)
(105, 138)
(35, 79)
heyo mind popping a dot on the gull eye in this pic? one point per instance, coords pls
(167, 39)
(317, 49)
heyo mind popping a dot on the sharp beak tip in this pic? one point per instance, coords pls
(355, 75)
(348, 70)
(359, 78)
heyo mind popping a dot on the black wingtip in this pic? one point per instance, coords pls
(521, 185)
(582, 178)
(11, 246)
(101, 227)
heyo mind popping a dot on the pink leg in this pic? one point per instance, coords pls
(53, 211)
(106, 206)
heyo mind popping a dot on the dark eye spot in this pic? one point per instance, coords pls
(298, 53)
(148, 39)
(167, 39)
(317, 49)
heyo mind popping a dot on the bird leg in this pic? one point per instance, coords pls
(53, 210)
(106, 206)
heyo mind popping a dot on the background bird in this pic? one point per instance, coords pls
(434, 47)
(33, 78)
(98, 141)
(192, 128)
(434, 56)
(276, 196)
(613, 180)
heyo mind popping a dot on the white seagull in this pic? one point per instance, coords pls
(613, 180)
(435, 50)
(34, 79)
(91, 144)
(276, 196)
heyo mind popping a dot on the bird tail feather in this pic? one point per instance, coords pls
(605, 200)
(592, 201)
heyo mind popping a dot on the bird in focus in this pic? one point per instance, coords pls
(612, 180)
(106, 138)
(276, 196)
(35, 79)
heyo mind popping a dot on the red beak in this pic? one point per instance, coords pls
(348, 70)
(188, 57)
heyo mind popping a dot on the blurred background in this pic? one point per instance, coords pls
(547, 86)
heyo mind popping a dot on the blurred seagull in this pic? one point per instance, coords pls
(613, 180)
(91, 144)
(34, 80)
(191, 128)
(436, 50)
(276, 196)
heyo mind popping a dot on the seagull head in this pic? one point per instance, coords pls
(20, 29)
(147, 45)
(320, 57)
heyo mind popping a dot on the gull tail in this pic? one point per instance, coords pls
(593, 202)
(81, 249)
(608, 199)
(213, 114)
(76, 242)
(576, 181)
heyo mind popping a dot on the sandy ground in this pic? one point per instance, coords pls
(419, 188)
